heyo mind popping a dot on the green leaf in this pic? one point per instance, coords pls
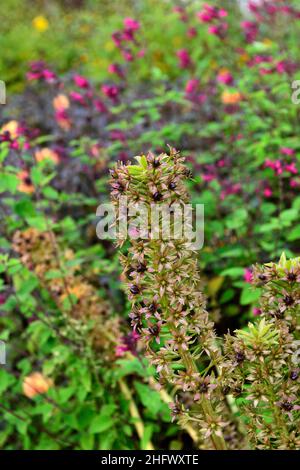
(294, 234)
(8, 182)
(6, 380)
(104, 420)
(25, 208)
(87, 441)
(233, 272)
(249, 295)
(37, 222)
(150, 398)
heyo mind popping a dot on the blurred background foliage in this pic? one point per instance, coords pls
(224, 100)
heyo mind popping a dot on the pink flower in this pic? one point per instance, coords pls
(141, 53)
(218, 30)
(184, 58)
(248, 276)
(275, 165)
(38, 71)
(116, 69)
(192, 85)
(225, 77)
(291, 168)
(128, 56)
(294, 183)
(265, 71)
(128, 344)
(259, 59)
(287, 151)
(222, 13)
(127, 35)
(62, 118)
(75, 96)
(80, 81)
(268, 192)
(210, 13)
(181, 12)
(208, 177)
(132, 24)
(191, 33)
(256, 311)
(204, 16)
(49, 76)
(229, 190)
(100, 106)
(116, 134)
(285, 66)
(250, 30)
(117, 38)
(111, 91)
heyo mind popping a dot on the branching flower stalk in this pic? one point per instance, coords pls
(168, 307)
(263, 362)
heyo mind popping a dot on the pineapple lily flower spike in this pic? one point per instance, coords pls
(169, 313)
(168, 307)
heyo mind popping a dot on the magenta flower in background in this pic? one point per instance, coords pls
(274, 165)
(210, 13)
(256, 311)
(100, 106)
(218, 30)
(291, 168)
(141, 53)
(248, 276)
(38, 71)
(117, 38)
(294, 183)
(192, 92)
(191, 32)
(225, 77)
(49, 76)
(131, 24)
(285, 66)
(287, 151)
(221, 163)
(116, 69)
(184, 58)
(128, 56)
(230, 189)
(268, 192)
(128, 35)
(81, 81)
(251, 30)
(117, 134)
(192, 85)
(181, 12)
(208, 177)
(111, 91)
(75, 96)
(128, 344)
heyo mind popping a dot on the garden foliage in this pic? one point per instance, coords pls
(204, 360)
